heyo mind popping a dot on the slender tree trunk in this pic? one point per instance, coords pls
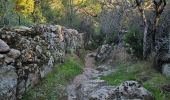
(155, 25)
(19, 19)
(159, 7)
(70, 11)
(145, 33)
(35, 16)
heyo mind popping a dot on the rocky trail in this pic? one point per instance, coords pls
(27, 55)
(89, 75)
(90, 86)
(87, 71)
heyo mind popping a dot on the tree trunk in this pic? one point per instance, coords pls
(145, 33)
(19, 19)
(159, 7)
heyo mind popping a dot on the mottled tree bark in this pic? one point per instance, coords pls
(145, 33)
(159, 7)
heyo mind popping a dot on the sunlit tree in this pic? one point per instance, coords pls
(25, 7)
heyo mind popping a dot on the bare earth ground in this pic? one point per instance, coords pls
(89, 72)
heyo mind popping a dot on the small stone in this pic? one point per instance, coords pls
(9, 60)
(3, 47)
(39, 49)
(1, 56)
(103, 52)
(102, 68)
(14, 53)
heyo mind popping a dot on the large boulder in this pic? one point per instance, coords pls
(132, 90)
(8, 83)
(3, 47)
(103, 52)
(99, 90)
(104, 93)
(86, 88)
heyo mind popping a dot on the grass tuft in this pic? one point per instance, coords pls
(143, 73)
(52, 86)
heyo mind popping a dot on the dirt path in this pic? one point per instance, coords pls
(90, 86)
(90, 60)
(88, 72)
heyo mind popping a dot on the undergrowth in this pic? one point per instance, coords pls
(51, 87)
(144, 74)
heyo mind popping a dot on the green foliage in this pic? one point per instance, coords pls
(51, 88)
(143, 73)
(69, 13)
(7, 13)
(25, 7)
(110, 39)
(120, 76)
(96, 35)
(134, 42)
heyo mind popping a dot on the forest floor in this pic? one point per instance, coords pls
(121, 71)
(90, 73)
(52, 87)
(61, 84)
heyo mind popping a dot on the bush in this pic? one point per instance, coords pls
(134, 42)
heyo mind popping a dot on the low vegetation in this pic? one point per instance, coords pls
(134, 42)
(142, 72)
(52, 87)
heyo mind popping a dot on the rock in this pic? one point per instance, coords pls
(9, 60)
(39, 49)
(132, 90)
(166, 70)
(1, 56)
(102, 68)
(165, 88)
(23, 29)
(3, 47)
(99, 90)
(44, 71)
(14, 53)
(1, 59)
(86, 88)
(91, 73)
(104, 93)
(35, 50)
(8, 82)
(32, 80)
(21, 86)
(105, 69)
(103, 52)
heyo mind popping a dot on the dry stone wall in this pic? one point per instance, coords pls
(27, 54)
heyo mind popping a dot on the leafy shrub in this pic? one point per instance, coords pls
(111, 38)
(134, 42)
